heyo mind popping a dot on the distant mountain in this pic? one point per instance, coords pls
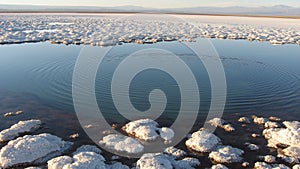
(278, 10)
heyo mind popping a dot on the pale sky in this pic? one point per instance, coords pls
(155, 3)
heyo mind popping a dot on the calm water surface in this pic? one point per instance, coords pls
(260, 77)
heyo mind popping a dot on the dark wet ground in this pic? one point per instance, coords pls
(63, 124)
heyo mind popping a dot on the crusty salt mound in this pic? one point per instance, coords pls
(288, 138)
(175, 152)
(154, 161)
(122, 143)
(270, 124)
(219, 166)
(85, 157)
(218, 122)
(252, 147)
(18, 129)
(259, 120)
(244, 120)
(146, 129)
(89, 148)
(31, 149)
(202, 141)
(163, 161)
(226, 154)
(263, 165)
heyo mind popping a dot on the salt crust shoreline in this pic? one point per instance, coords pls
(110, 30)
(31, 150)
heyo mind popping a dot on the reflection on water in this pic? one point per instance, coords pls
(260, 77)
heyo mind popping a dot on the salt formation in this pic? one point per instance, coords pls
(219, 166)
(270, 124)
(105, 29)
(259, 120)
(269, 159)
(31, 149)
(163, 161)
(146, 129)
(85, 157)
(19, 128)
(288, 138)
(218, 122)
(252, 147)
(122, 143)
(13, 113)
(226, 154)
(244, 120)
(175, 152)
(202, 141)
(263, 165)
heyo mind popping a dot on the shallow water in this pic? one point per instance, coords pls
(260, 77)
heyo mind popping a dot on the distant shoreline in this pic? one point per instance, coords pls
(200, 14)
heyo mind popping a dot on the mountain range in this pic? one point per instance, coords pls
(278, 10)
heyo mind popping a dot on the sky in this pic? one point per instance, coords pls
(156, 3)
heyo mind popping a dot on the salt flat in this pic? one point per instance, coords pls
(113, 29)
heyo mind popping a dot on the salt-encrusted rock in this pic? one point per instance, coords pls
(290, 160)
(115, 157)
(175, 152)
(228, 128)
(282, 136)
(117, 165)
(218, 122)
(86, 160)
(292, 152)
(59, 162)
(164, 161)
(292, 124)
(244, 120)
(31, 149)
(13, 113)
(252, 147)
(146, 129)
(187, 163)
(272, 118)
(226, 154)
(270, 124)
(202, 141)
(154, 161)
(219, 166)
(254, 135)
(19, 128)
(245, 164)
(259, 120)
(297, 166)
(74, 136)
(269, 159)
(166, 133)
(263, 165)
(122, 144)
(87, 148)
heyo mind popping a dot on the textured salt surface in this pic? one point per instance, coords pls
(19, 128)
(146, 129)
(105, 30)
(202, 141)
(31, 149)
(122, 144)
